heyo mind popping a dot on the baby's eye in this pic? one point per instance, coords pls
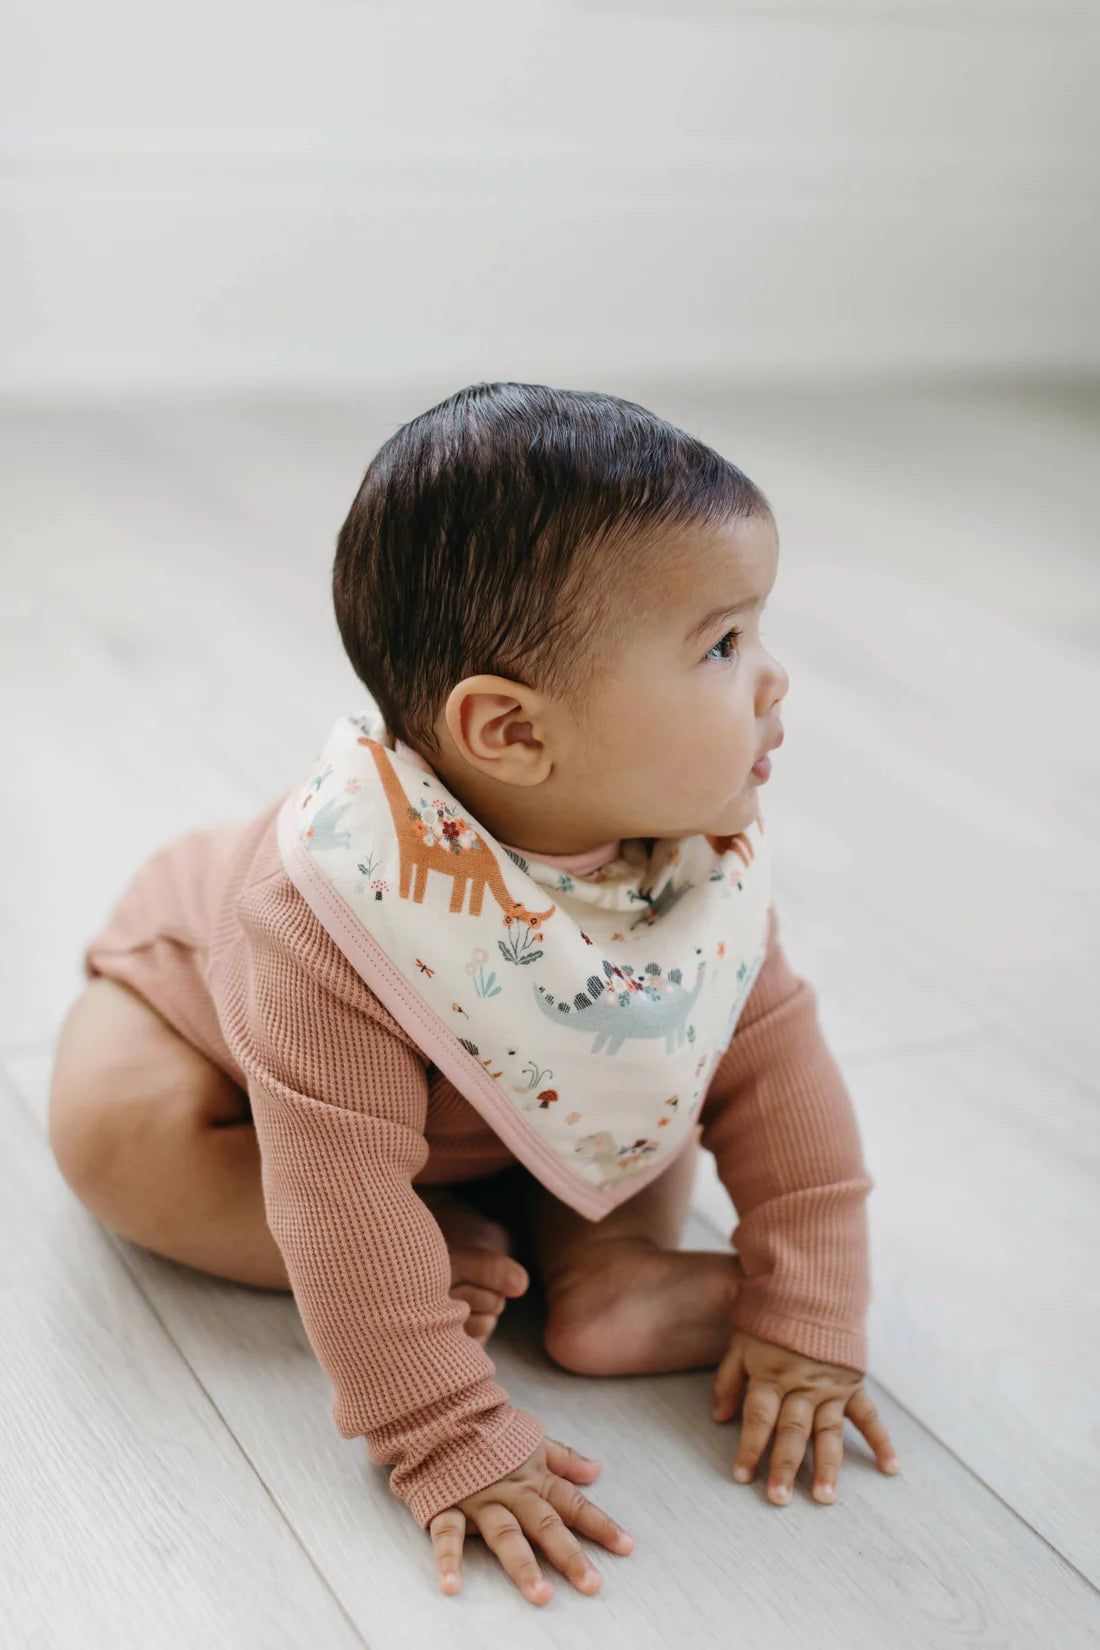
(725, 659)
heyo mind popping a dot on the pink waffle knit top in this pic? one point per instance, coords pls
(350, 1116)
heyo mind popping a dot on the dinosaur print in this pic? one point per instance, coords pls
(739, 843)
(673, 892)
(322, 832)
(659, 1009)
(613, 1162)
(659, 997)
(669, 897)
(475, 868)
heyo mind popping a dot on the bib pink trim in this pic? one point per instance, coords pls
(437, 1041)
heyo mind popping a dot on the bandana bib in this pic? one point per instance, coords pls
(583, 1017)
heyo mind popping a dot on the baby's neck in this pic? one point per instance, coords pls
(580, 864)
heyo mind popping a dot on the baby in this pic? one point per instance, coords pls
(511, 934)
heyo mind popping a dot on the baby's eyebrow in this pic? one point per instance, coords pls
(717, 613)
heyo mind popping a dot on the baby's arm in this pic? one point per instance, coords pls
(371, 1276)
(779, 1120)
(339, 1095)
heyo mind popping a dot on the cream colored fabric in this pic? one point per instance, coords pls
(583, 1016)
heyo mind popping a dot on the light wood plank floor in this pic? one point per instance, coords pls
(170, 1469)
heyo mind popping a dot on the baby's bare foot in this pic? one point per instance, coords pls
(483, 1271)
(631, 1308)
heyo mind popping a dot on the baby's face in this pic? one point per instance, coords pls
(680, 710)
(692, 704)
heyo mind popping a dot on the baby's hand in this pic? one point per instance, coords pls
(793, 1394)
(541, 1498)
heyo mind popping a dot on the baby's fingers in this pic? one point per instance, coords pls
(574, 1509)
(501, 1532)
(447, 1530)
(727, 1383)
(792, 1434)
(762, 1405)
(828, 1448)
(569, 1463)
(865, 1416)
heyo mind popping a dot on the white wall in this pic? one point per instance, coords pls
(268, 191)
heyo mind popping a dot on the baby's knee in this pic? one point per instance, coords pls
(119, 1092)
(82, 1134)
(92, 1136)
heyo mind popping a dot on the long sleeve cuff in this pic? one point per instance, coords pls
(779, 1120)
(816, 1306)
(370, 1273)
(467, 1462)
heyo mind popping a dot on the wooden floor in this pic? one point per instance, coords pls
(170, 1468)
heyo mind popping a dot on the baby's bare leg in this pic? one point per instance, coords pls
(622, 1298)
(157, 1142)
(155, 1139)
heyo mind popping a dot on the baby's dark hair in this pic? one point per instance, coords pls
(489, 534)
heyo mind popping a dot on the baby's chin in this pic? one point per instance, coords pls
(737, 815)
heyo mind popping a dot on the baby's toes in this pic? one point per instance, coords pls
(488, 1270)
(485, 1309)
(480, 1300)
